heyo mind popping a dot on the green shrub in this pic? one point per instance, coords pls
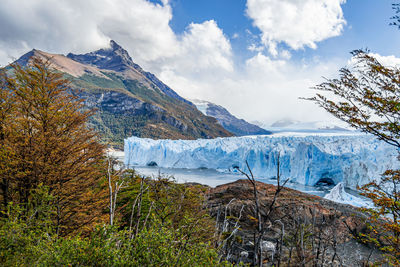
(28, 239)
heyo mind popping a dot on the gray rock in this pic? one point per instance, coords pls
(244, 254)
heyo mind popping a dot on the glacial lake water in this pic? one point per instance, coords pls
(212, 177)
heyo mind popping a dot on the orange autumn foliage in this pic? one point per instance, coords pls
(44, 139)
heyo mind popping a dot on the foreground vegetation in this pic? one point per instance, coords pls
(28, 236)
(64, 203)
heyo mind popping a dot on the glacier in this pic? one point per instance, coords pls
(339, 194)
(351, 159)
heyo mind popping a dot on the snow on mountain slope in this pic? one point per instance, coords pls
(306, 159)
(321, 126)
(237, 126)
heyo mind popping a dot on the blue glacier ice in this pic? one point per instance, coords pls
(352, 159)
(339, 194)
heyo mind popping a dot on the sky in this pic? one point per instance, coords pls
(257, 58)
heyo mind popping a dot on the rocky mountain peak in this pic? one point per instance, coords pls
(118, 52)
(117, 59)
(24, 59)
(111, 58)
(114, 46)
(227, 120)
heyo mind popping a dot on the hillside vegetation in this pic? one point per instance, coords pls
(128, 101)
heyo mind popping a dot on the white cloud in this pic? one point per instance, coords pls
(285, 54)
(81, 26)
(199, 63)
(298, 23)
(255, 48)
(203, 47)
(265, 89)
(391, 61)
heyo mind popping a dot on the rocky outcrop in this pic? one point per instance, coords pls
(118, 103)
(113, 58)
(324, 228)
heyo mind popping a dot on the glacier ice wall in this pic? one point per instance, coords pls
(351, 159)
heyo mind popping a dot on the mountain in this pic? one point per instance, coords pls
(284, 123)
(117, 59)
(320, 126)
(237, 126)
(129, 101)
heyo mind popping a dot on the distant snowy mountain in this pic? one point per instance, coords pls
(293, 126)
(237, 126)
(284, 123)
(309, 159)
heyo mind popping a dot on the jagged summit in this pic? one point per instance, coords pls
(117, 59)
(112, 58)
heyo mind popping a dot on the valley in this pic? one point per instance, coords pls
(259, 133)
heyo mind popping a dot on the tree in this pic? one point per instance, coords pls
(6, 109)
(45, 139)
(396, 18)
(32, 241)
(367, 97)
(384, 219)
(54, 178)
(262, 217)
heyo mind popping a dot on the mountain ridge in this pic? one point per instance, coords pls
(237, 126)
(117, 59)
(129, 101)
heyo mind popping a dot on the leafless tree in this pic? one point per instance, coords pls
(116, 182)
(261, 220)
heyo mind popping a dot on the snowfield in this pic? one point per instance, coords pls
(305, 158)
